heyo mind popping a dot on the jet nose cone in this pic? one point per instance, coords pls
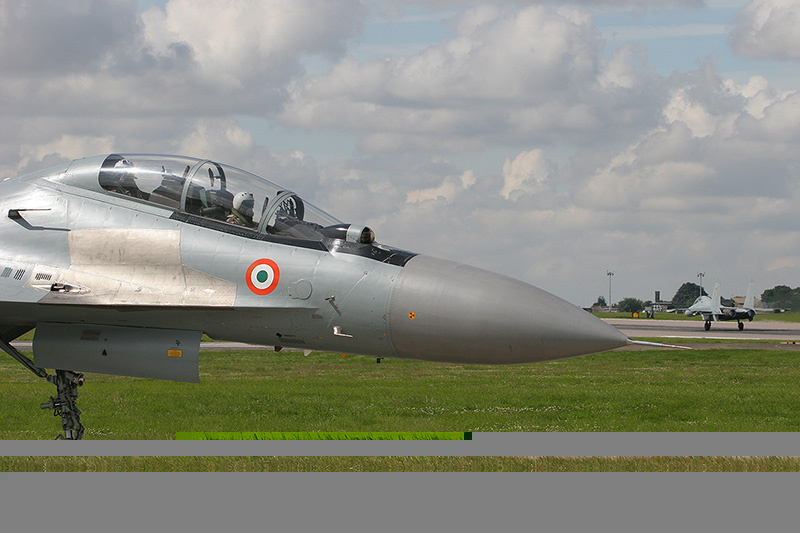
(445, 311)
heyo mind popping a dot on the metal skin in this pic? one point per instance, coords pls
(463, 314)
(123, 279)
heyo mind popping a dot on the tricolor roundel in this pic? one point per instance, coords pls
(262, 276)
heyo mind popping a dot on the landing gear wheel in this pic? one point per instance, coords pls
(741, 326)
(707, 326)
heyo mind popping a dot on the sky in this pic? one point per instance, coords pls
(551, 142)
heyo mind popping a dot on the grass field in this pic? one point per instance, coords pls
(652, 390)
(790, 316)
(399, 464)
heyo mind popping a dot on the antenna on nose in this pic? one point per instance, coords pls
(657, 344)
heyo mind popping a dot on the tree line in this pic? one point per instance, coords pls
(781, 296)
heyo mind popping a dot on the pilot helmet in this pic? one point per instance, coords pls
(243, 203)
(125, 177)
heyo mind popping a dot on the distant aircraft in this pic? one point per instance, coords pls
(712, 310)
(122, 262)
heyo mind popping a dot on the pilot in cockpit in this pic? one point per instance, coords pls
(117, 176)
(242, 212)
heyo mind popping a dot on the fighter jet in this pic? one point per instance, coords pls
(122, 262)
(712, 310)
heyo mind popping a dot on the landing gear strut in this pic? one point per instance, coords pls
(64, 403)
(67, 382)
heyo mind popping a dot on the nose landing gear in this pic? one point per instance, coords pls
(67, 382)
(64, 403)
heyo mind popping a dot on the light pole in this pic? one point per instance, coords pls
(701, 275)
(610, 274)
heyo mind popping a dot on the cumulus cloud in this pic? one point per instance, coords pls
(218, 139)
(527, 173)
(708, 145)
(621, 70)
(768, 28)
(518, 76)
(147, 79)
(105, 56)
(239, 41)
(448, 191)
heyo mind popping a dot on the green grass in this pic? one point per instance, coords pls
(789, 316)
(651, 390)
(325, 435)
(26, 337)
(399, 464)
(714, 390)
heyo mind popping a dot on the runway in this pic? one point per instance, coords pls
(784, 334)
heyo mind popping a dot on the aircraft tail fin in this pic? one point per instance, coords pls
(749, 298)
(715, 299)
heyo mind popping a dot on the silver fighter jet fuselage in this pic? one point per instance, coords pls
(122, 262)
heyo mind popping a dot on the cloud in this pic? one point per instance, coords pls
(218, 139)
(603, 3)
(240, 41)
(105, 56)
(709, 144)
(527, 173)
(448, 191)
(768, 28)
(507, 76)
(101, 69)
(56, 37)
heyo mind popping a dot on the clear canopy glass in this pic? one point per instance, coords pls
(214, 191)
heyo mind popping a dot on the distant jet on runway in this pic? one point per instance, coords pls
(712, 310)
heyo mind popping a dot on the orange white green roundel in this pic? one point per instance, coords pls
(262, 276)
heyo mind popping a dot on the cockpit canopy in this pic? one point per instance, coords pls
(216, 192)
(219, 197)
